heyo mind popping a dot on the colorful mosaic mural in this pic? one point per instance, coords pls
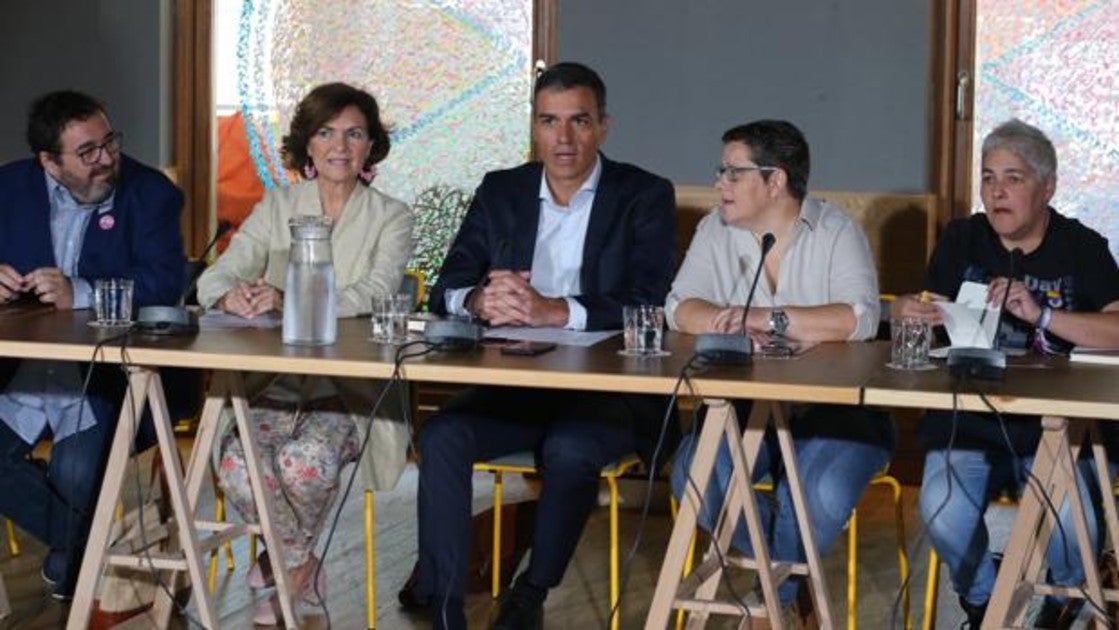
(453, 79)
(1055, 65)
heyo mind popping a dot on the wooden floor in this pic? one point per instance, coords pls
(581, 601)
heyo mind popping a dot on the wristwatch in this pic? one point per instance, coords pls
(778, 322)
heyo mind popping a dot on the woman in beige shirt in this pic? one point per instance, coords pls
(310, 428)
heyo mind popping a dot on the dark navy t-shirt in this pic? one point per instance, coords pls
(1072, 270)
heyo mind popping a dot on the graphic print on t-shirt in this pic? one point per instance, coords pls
(1056, 293)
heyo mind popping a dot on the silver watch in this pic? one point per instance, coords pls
(778, 322)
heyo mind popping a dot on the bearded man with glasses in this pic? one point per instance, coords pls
(76, 211)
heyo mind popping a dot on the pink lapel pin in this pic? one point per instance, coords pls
(106, 222)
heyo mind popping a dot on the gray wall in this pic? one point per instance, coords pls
(116, 50)
(853, 75)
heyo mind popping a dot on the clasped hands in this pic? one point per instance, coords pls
(251, 299)
(507, 299)
(1019, 302)
(728, 321)
(47, 283)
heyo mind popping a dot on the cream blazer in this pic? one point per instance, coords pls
(371, 244)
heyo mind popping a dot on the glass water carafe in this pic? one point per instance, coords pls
(310, 304)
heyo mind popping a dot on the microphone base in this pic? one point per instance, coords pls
(453, 335)
(725, 349)
(977, 363)
(166, 321)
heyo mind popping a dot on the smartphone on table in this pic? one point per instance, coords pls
(527, 348)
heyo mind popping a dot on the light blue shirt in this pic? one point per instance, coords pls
(43, 393)
(558, 256)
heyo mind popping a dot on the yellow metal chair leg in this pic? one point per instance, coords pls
(13, 544)
(852, 555)
(931, 586)
(903, 557)
(495, 568)
(615, 586)
(689, 561)
(852, 569)
(219, 516)
(370, 564)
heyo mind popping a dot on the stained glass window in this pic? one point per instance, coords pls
(452, 77)
(1055, 65)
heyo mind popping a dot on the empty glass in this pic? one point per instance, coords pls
(112, 302)
(910, 338)
(644, 326)
(390, 317)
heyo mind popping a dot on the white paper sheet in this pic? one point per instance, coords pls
(965, 321)
(558, 336)
(220, 320)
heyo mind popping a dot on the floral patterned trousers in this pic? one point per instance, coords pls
(303, 452)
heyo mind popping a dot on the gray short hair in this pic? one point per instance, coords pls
(1027, 142)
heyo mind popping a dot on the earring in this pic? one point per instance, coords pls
(368, 173)
(309, 171)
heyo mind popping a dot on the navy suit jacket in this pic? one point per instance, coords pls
(142, 241)
(628, 254)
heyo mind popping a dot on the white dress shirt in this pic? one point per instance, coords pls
(557, 258)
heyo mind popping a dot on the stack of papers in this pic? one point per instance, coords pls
(970, 321)
(1094, 355)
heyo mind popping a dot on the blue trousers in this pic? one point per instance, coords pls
(574, 434)
(954, 496)
(54, 503)
(838, 449)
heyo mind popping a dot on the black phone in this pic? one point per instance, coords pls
(527, 348)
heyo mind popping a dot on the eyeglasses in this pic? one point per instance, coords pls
(354, 135)
(730, 174)
(90, 155)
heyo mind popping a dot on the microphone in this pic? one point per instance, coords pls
(459, 335)
(735, 349)
(178, 319)
(985, 363)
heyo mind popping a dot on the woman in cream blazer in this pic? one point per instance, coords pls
(309, 428)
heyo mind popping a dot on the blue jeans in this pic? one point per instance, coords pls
(54, 503)
(838, 448)
(952, 508)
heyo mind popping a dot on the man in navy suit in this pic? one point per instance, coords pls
(565, 242)
(78, 210)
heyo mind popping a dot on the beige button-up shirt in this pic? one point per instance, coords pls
(827, 262)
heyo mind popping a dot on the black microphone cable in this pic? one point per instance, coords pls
(1039, 488)
(669, 416)
(125, 365)
(724, 564)
(923, 531)
(403, 353)
(98, 350)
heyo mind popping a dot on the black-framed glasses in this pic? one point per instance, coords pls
(90, 154)
(730, 174)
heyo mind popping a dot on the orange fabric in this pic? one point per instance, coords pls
(239, 187)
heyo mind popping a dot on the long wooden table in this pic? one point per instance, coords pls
(828, 374)
(1070, 398)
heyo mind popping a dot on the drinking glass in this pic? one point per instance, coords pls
(390, 317)
(910, 338)
(644, 331)
(112, 302)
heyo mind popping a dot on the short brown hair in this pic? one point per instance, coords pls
(320, 106)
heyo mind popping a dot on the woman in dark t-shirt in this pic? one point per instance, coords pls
(1063, 292)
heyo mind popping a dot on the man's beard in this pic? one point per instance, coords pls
(94, 189)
